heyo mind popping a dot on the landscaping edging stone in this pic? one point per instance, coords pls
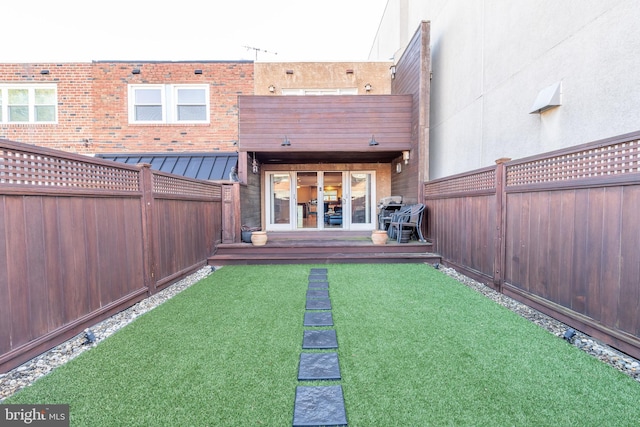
(590, 345)
(27, 373)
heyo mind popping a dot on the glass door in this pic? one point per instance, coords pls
(307, 200)
(361, 201)
(332, 198)
(329, 200)
(278, 201)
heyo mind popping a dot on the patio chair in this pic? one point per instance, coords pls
(409, 217)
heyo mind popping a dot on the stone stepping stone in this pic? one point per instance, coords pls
(319, 406)
(318, 304)
(318, 366)
(317, 294)
(320, 339)
(318, 278)
(318, 285)
(318, 318)
(319, 271)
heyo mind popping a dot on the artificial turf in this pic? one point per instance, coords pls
(416, 348)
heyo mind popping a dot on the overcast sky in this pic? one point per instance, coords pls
(156, 30)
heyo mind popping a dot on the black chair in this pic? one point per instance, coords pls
(409, 217)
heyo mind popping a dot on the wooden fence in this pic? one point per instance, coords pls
(83, 238)
(559, 232)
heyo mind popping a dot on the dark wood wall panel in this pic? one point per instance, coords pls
(320, 123)
(186, 231)
(629, 285)
(570, 234)
(462, 233)
(5, 304)
(73, 239)
(412, 78)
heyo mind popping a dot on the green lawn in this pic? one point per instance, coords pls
(416, 348)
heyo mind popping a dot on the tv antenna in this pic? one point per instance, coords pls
(257, 50)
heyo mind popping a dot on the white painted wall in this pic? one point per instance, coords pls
(490, 59)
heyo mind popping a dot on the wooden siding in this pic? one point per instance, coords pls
(84, 238)
(557, 231)
(325, 124)
(412, 78)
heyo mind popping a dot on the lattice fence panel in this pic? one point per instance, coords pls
(480, 181)
(609, 160)
(171, 185)
(32, 168)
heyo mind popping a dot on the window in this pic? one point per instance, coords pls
(343, 91)
(169, 104)
(27, 103)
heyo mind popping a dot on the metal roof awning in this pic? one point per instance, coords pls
(206, 166)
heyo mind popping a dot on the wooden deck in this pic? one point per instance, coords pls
(325, 247)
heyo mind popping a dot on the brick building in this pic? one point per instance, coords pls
(112, 106)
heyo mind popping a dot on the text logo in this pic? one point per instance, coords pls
(34, 415)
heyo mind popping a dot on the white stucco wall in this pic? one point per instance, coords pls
(490, 59)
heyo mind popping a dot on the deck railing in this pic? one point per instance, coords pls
(558, 231)
(83, 238)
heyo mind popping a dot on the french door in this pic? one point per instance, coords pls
(320, 200)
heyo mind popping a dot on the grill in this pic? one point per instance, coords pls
(386, 207)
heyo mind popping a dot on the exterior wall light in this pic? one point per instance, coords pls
(285, 142)
(272, 88)
(373, 141)
(405, 156)
(367, 87)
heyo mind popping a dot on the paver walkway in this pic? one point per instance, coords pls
(319, 405)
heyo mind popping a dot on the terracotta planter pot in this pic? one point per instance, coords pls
(259, 238)
(379, 237)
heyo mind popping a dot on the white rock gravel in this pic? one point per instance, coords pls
(27, 373)
(592, 346)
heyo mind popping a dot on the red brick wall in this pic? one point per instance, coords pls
(74, 105)
(92, 106)
(113, 133)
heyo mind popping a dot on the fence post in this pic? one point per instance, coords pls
(499, 257)
(231, 213)
(147, 208)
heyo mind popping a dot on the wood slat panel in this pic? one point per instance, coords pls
(53, 255)
(17, 271)
(595, 237)
(611, 255)
(73, 247)
(37, 276)
(629, 299)
(570, 243)
(5, 307)
(311, 123)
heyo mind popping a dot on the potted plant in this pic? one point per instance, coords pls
(379, 237)
(245, 233)
(259, 238)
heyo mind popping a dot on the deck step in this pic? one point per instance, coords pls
(306, 252)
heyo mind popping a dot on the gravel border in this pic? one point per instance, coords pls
(27, 373)
(621, 361)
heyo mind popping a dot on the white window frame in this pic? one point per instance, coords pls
(320, 91)
(31, 88)
(169, 100)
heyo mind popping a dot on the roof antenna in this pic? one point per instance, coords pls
(257, 49)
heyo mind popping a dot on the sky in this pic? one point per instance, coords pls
(195, 30)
